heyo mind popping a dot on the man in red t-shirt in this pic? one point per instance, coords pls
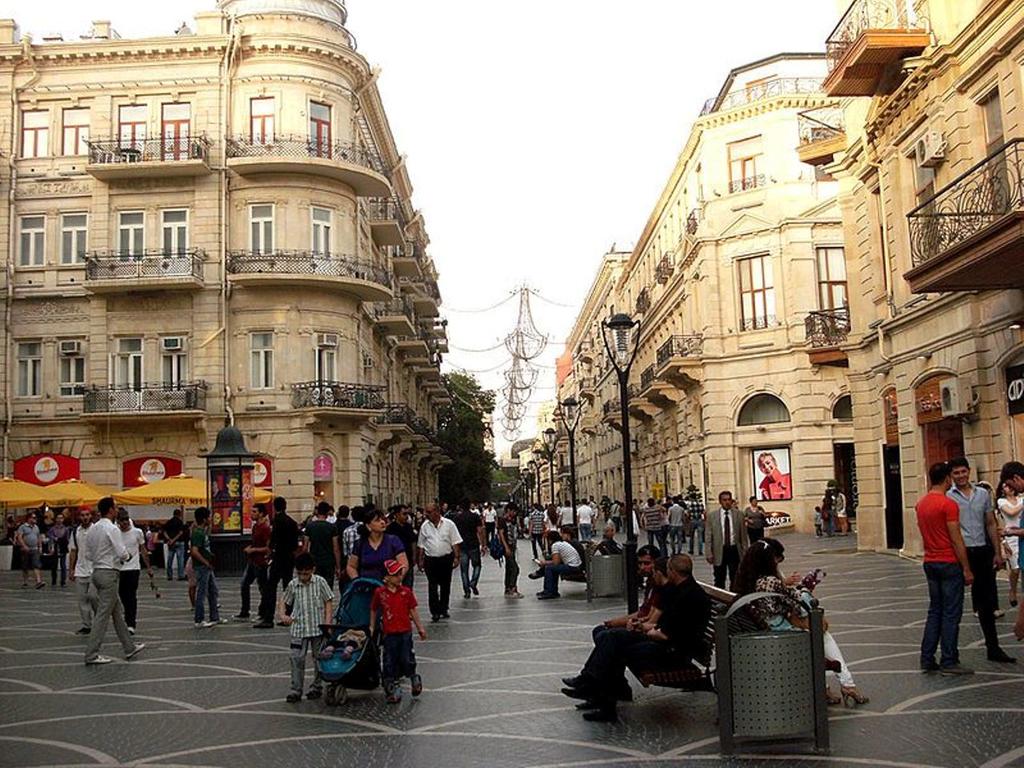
(395, 604)
(257, 555)
(947, 570)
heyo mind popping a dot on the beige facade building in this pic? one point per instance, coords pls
(930, 168)
(738, 280)
(215, 224)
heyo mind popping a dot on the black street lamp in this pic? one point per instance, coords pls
(621, 335)
(550, 437)
(533, 476)
(569, 413)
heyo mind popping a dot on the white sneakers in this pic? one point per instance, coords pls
(98, 660)
(134, 651)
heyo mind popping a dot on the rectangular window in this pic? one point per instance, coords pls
(757, 293)
(992, 109)
(326, 356)
(74, 237)
(173, 361)
(131, 234)
(175, 127)
(35, 133)
(131, 126)
(261, 120)
(322, 231)
(319, 129)
(127, 364)
(262, 360)
(924, 182)
(744, 158)
(76, 132)
(174, 225)
(832, 278)
(30, 369)
(72, 370)
(32, 241)
(261, 228)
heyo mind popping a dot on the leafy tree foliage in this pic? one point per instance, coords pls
(461, 433)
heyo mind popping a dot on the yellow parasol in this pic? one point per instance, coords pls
(19, 494)
(183, 490)
(77, 493)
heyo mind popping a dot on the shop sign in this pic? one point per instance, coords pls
(148, 469)
(928, 400)
(323, 468)
(891, 411)
(47, 468)
(263, 472)
(1015, 389)
(778, 519)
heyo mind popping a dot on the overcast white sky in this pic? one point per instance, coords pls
(538, 132)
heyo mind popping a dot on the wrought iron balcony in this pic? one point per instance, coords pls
(770, 89)
(870, 36)
(357, 166)
(970, 234)
(367, 281)
(822, 134)
(827, 328)
(146, 399)
(692, 220)
(680, 345)
(663, 272)
(399, 413)
(120, 158)
(387, 220)
(643, 301)
(747, 183)
(108, 271)
(338, 395)
(647, 378)
(396, 316)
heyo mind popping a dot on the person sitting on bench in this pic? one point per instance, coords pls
(565, 561)
(674, 640)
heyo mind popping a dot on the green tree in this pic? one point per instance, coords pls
(461, 434)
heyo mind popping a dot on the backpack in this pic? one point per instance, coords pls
(496, 548)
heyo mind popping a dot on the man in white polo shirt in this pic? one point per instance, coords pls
(81, 571)
(107, 552)
(565, 561)
(437, 554)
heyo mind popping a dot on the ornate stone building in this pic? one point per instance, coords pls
(215, 224)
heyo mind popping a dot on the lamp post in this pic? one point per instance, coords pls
(550, 438)
(569, 413)
(532, 467)
(621, 335)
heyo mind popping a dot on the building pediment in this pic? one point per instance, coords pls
(827, 209)
(744, 224)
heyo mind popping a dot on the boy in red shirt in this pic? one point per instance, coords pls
(396, 606)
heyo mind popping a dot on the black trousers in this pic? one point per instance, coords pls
(439, 582)
(730, 563)
(326, 573)
(983, 592)
(619, 648)
(257, 573)
(280, 571)
(511, 572)
(128, 591)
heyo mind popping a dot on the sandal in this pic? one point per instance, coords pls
(853, 697)
(831, 699)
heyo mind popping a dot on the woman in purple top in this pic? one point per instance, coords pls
(374, 548)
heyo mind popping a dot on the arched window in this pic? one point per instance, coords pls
(763, 409)
(843, 409)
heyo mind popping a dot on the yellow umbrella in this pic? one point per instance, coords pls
(19, 494)
(78, 493)
(183, 490)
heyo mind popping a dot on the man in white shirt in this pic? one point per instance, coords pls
(107, 552)
(81, 571)
(437, 554)
(490, 515)
(585, 518)
(676, 534)
(565, 561)
(128, 581)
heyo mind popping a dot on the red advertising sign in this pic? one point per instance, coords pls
(323, 467)
(148, 469)
(47, 468)
(263, 472)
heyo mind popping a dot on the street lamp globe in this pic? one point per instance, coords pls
(621, 339)
(550, 437)
(570, 412)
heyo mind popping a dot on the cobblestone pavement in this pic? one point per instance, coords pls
(216, 697)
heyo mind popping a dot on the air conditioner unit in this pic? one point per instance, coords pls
(172, 343)
(955, 397)
(930, 150)
(69, 348)
(327, 339)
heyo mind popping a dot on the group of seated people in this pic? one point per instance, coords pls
(667, 631)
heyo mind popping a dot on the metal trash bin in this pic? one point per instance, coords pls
(771, 685)
(6, 557)
(607, 577)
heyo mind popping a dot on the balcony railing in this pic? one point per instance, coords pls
(149, 398)
(400, 305)
(780, 86)
(663, 272)
(827, 328)
(680, 346)
(118, 151)
(305, 263)
(385, 209)
(820, 124)
(135, 265)
(759, 323)
(396, 414)
(336, 394)
(647, 378)
(633, 391)
(747, 183)
(643, 301)
(864, 15)
(692, 220)
(969, 204)
(303, 147)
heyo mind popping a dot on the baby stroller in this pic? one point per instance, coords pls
(361, 670)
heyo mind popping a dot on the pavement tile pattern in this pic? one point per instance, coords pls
(215, 697)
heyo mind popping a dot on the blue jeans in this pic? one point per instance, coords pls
(677, 537)
(467, 557)
(945, 608)
(552, 573)
(206, 588)
(399, 658)
(176, 552)
(658, 538)
(697, 535)
(586, 531)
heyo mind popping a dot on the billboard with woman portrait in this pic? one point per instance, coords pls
(773, 479)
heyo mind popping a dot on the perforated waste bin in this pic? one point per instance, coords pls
(771, 685)
(607, 578)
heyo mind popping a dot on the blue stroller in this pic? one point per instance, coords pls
(361, 670)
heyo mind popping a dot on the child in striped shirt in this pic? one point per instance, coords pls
(308, 602)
